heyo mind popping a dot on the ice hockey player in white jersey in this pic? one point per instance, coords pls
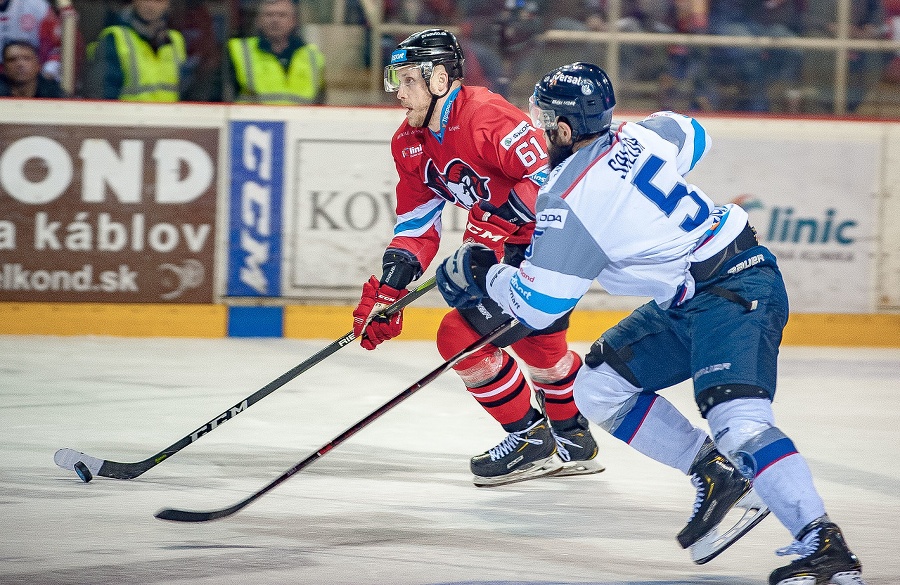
(617, 209)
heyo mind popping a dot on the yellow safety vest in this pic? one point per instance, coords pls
(263, 80)
(150, 76)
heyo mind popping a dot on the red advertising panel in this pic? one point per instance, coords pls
(107, 214)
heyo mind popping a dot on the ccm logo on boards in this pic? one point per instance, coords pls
(257, 178)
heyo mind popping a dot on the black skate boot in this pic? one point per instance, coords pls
(720, 488)
(825, 558)
(576, 449)
(522, 455)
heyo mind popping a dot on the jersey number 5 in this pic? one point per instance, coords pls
(667, 202)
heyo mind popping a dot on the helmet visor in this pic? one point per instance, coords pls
(405, 75)
(540, 118)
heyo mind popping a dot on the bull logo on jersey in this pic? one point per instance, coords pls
(458, 184)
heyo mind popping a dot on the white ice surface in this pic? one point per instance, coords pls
(394, 505)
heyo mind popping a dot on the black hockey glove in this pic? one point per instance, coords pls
(462, 277)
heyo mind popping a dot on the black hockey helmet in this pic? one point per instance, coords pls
(425, 49)
(580, 93)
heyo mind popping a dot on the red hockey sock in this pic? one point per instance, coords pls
(506, 396)
(558, 400)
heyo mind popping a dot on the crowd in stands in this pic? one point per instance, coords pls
(174, 50)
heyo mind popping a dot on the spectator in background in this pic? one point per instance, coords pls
(892, 19)
(420, 11)
(22, 73)
(502, 36)
(685, 85)
(867, 21)
(202, 69)
(278, 66)
(33, 21)
(484, 65)
(751, 70)
(139, 59)
(640, 64)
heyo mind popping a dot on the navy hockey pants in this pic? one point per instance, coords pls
(713, 340)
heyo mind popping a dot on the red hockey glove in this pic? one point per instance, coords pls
(375, 298)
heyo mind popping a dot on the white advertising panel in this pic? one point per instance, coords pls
(811, 189)
(812, 196)
(343, 204)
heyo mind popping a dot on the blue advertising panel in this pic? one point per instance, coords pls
(257, 179)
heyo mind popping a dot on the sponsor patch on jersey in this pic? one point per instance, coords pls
(539, 177)
(518, 132)
(551, 218)
(411, 151)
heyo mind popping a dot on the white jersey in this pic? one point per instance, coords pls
(619, 211)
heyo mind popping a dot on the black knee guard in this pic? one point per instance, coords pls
(601, 352)
(714, 395)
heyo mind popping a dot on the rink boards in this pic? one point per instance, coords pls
(203, 220)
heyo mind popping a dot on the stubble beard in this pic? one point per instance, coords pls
(556, 153)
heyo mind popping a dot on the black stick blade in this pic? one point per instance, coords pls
(188, 516)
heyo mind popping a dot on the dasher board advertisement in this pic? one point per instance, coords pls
(255, 235)
(813, 205)
(107, 214)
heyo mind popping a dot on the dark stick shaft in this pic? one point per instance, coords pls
(189, 516)
(118, 470)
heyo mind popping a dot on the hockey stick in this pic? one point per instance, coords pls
(188, 516)
(68, 458)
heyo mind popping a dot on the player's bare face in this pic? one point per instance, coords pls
(413, 95)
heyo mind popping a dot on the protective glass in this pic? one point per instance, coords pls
(393, 78)
(540, 118)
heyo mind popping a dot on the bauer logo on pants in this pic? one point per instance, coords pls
(257, 176)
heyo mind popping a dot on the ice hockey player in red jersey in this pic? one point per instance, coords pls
(469, 147)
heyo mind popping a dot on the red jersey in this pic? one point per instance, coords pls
(486, 156)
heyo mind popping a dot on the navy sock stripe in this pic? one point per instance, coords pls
(628, 428)
(559, 400)
(773, 452)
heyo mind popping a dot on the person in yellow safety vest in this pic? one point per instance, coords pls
(276, 67)
(139, 59)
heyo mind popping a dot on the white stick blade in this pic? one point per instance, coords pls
(67, 458)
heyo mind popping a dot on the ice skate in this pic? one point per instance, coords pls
(522, 455)
(825, 558)
(720, 489)
(577, 450)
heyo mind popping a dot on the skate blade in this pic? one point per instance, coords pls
(579, 468)
(845, 578)
(711, 544)
(848, 578)
(541, 468)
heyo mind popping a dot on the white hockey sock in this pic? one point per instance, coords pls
(648, 422)
(787, 488)
(745, 431)
(667, 436)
